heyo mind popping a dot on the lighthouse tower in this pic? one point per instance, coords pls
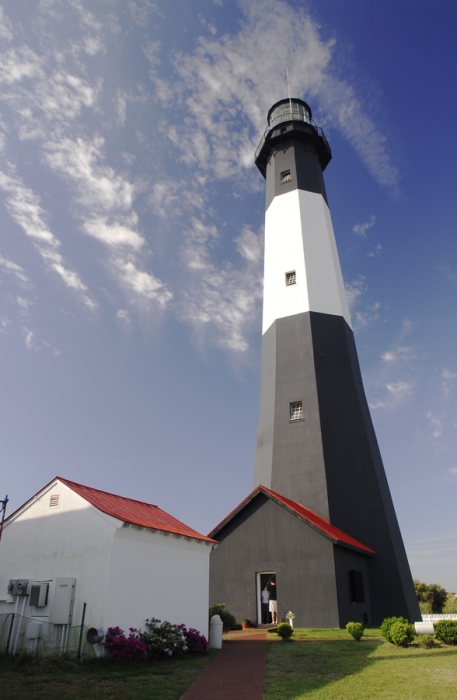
(317, 457)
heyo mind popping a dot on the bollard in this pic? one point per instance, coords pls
(424, 628)
(215, 632)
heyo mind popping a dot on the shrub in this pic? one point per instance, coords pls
(446, 631)
(387, 624)
(163, 639)
(122, 647)
(401, 633)
(228, 620)
(195, 641)
(284, 630)
(355, 629)
(426, 641)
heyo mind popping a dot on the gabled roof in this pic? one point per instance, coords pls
(128, 510)
(329, 531)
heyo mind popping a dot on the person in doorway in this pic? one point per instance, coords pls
(265, 601)
(273, 603)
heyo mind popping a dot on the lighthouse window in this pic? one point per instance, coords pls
(291, 278)
(296, 410)
(286, 176)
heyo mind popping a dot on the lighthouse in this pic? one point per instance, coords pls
(320, 520)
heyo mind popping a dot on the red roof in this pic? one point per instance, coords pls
(312, 519)
(130, 511)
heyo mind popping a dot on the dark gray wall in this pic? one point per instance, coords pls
(265, 537)
(289, 456)
(302, 161)
(345, 560)
(330, 461)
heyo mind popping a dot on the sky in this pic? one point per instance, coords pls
(131, 225)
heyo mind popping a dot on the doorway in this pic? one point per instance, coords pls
(262, 580)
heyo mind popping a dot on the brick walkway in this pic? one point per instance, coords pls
(235, 673)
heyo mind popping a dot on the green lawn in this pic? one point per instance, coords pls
(24, 678)
(373, 632)
(371, 670)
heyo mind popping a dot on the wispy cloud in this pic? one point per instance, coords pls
(14, 269)
(222, 298)
(399, 390)
(228, 84)
(402, 352)
(24, 207)
(376, 251)
(105, 199)
(435, 424)
(361, 229)
(355, 289)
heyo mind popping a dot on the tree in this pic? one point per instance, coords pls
(431, 597)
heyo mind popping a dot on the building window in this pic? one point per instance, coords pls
(356, 586)
(291, 278)
(286, 176)
(296, 410)
(54, 501)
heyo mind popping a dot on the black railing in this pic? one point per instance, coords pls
(269, 129)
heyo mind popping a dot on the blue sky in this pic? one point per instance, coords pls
(131, 223)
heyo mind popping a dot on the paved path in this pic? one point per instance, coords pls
(235, 673)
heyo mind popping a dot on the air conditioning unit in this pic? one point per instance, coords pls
(18, 586)
(39, 594)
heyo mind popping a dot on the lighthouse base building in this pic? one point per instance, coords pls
(320, 521)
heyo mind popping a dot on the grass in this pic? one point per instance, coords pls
(371, 670)
(371, 632)
(25, 678)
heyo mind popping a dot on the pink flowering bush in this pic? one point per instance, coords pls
(194, 639)
(122, 647)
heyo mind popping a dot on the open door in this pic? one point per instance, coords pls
(263, 577)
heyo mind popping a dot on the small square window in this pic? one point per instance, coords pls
(296, 410)
(286, 176)
(291, 278)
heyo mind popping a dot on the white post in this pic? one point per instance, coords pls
(215, 632)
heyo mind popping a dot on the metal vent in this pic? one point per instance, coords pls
(291, 278)
(54, 500)
(296, 410)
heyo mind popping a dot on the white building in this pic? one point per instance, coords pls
(126, 560)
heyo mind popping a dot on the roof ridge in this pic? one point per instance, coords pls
(326, 528)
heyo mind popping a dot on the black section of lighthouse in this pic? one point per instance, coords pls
(317, 459)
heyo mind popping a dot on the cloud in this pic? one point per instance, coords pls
(399, 389)
(448, 374)
(402, 352)
(24, 207)
(364, 318)
(376, 404)
(123, 315)
(6, 28)
(220, 297)
(105, 199)
(361, 229)
(376, 251)
(355, 289)
(30, 339)
(249, 245)
(228, 84)
(435, 424)
(16, 270)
